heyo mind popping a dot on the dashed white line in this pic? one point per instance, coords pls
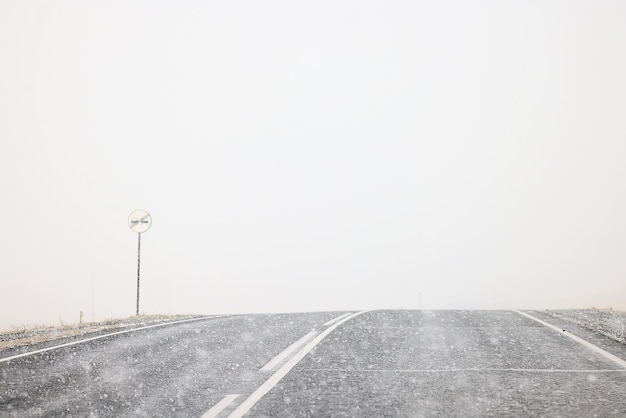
(219, 407)
(43, 350)
(276, 360)
(579, 340)
(339, 318)
(280, 373)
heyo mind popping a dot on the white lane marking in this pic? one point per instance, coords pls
(579, 340)
(475, 370)
(219, 407)
(272, 363)
(280, 373)
(339, 318)
(43, 350)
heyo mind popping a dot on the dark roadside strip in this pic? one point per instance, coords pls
(126, 328)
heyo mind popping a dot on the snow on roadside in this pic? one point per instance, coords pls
(11, 339)
(609, 323)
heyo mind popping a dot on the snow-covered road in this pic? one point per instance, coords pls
(379, 363)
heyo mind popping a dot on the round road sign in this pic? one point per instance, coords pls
(139, 221)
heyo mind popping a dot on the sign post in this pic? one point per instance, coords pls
(139, 221)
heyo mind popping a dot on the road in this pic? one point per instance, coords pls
(378, 363)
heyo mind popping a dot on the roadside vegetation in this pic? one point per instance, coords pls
(35, 335)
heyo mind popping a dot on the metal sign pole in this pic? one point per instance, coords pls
(138, 268)
(139, 221)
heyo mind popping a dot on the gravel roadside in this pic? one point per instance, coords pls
(607, 322)
(13, 339)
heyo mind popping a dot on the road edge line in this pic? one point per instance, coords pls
(579, 340)
(246, 405)
(43, 350)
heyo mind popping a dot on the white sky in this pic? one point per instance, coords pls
(318, 155)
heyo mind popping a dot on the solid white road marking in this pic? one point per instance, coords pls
(219, 407)
(272, 363)
(339, 318)
(579, 340)
(43, 350)
(280, 373)
(477, 370)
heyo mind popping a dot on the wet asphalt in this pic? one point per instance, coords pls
(380, 363)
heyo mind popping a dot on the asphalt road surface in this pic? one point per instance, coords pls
(377, 363)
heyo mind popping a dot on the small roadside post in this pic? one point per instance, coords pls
(139, 221)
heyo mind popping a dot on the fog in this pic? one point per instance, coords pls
(309, 156)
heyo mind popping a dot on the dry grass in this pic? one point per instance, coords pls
(36, 335)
